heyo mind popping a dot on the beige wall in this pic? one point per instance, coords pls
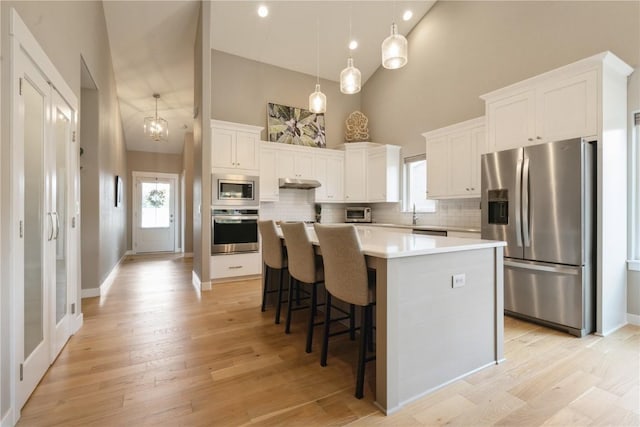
(187, 168)
(66, 30)
(242, 88)
(461, 50)
(139, 161)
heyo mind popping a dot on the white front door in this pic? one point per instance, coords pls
(154, 212)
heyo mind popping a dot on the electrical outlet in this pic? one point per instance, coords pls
(457, 280)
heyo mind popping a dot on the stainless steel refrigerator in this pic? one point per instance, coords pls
(539, 199)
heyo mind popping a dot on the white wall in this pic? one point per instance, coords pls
(242, 88)
(633, 277)
(463, 49)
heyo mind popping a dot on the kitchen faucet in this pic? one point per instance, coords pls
(415, 217)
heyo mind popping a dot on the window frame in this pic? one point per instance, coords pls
(406, 205)
(634, 196)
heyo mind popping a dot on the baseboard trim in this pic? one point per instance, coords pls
(7, 420)
(633, 319)
(235, 279)
(106, 284)
(611, 330)
(188, 255)
(129, 252)
(205, 286)
(78, 321)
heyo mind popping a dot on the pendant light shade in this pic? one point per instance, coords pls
(317, 101)
(394, 50)
(350, 78)
(156, 127)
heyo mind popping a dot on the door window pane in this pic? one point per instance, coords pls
(62, 125)
(34, 119)
(155, 205)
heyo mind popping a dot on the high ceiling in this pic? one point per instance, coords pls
(288, 36)
(152, 45)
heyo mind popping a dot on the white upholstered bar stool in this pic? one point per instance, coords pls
(304, 267)
(347, 278)
(274, 258)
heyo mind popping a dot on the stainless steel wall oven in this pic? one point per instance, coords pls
(234, 231)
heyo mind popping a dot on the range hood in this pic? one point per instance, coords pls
(303, 184)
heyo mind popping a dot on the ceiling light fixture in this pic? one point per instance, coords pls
(353, 45)
(350, 77)
(263, 11)
(317, 100)
(394, 48)
(156, 127)
(407, 15)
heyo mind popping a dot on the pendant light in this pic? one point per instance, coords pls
(350, 77)
(317, 100)
(394, 48)
(156, 127)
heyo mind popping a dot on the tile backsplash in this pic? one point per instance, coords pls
(294, 205)
(454, 213)
(299, 205)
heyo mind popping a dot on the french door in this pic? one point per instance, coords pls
(44, 198)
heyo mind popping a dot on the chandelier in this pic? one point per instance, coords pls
(156, 127)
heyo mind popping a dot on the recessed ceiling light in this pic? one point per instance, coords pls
(407, 15)
(263, 11)
(353, 45)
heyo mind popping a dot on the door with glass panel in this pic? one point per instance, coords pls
(35, 226)
(154, 213)
(60, 193)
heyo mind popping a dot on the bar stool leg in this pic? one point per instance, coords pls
(370, 329)
(279, 303)
(287, 327)
(264, 287)
(312, 312)
(352, 322)
(325, 336)
(362, 354)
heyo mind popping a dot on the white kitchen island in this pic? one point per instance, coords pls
(428, 332)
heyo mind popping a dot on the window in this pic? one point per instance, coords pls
(415, 185)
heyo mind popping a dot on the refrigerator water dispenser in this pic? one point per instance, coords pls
(498, 209)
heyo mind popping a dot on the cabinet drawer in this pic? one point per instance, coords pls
(224, 266)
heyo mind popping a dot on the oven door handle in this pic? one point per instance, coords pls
(225, 218)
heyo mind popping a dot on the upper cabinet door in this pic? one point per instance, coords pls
(567, 108)
(223, 148)
(511, 121)
(460, 160)
(246, 155)
(437, 167)
(355, 172)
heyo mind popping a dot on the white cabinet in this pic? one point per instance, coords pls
(224, 267)
(453, 159)
(295, 163)
(355, 172)
(235, 147)
(269, 191)
(328, 168)
(371, 172)
(548, 109)
(383, 174)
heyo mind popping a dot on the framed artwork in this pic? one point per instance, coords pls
(119, 191)
(296, 126)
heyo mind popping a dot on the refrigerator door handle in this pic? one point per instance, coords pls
(550, 269)
(525, 203)
(518, 197)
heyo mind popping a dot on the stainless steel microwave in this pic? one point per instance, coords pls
(234, 190)
(357, 214)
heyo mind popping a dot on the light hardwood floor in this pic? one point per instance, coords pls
(154, 351)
